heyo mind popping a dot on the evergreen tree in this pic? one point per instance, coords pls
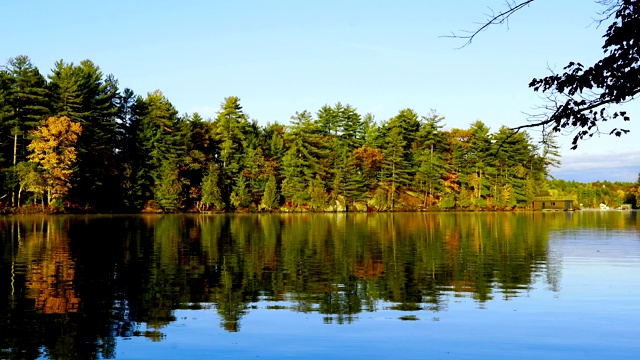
(328, 122)
(240, 197)
(352, 126)
(295, 176)
(6, 84)
(429, 156)
(464, 200)
(168, 187)
(370, 131)
(25, 104)
(550, 152)
(211, 191)
(270, 198)
(196, 134)
(480, 160)
(82, 93)
(348, 181)
(409, 125)
(230, 127)
(304, 158)
(257, 170)
(274, 137)
(5, 114)
(318, 197)
(513, 155)
(158, 144)
(342, 131)
(128, 150)
(458, 161)
(67, 91)
(395, 172)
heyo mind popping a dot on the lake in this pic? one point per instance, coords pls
(563, 285)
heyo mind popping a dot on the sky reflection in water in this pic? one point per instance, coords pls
(323, 286)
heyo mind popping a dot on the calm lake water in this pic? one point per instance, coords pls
(323, 286)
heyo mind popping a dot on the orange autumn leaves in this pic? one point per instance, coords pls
(53, 148)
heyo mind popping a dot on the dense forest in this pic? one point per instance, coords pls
(76, 141)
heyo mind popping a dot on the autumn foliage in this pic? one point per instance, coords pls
(53, 149)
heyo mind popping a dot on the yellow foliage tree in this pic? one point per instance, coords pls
(53, 148)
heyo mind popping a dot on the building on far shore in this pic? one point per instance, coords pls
(626, 207)
(548, 203)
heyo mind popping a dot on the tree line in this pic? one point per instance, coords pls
(75, 139)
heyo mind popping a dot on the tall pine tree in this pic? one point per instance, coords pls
(85, 95)
(25, 104)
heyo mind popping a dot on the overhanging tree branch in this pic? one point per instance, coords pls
(580, 97)
(492, 19)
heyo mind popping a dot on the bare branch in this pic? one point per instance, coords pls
(492, 19)
(611, 6)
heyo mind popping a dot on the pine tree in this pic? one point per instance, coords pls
(370, 131)
(328, 122)
(352, 126)
(168, 188)
(240, 197)
(128, 150)
(211, 191)
(5, 114)
(25, 104)
(230, 127)
(480, 159)
(158, 142)
(514, 155)
(318, 197)
(294, 172)
(303, 159)
(348, 181)
(6, 110)
(429, 158)
(395, 171)
(85, 95)
(270, 198)
(409, 126)
(550, 153)
(257, 170)
(200, 150)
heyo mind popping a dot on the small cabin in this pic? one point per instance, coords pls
(548, 204)
(625, 207)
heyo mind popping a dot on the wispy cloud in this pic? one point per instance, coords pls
(621, 166)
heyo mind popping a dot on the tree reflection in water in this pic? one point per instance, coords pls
(73, 284)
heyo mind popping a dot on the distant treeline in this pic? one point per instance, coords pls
(78, 141)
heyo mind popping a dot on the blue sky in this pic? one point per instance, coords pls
(280, 57)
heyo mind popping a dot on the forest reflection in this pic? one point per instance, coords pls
(73, 284)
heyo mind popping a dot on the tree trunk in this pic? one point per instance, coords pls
(15, 195)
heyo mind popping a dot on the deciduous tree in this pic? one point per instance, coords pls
(53, 147)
